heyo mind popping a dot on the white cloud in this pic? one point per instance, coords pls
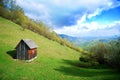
(107, 4)
(47, 7)
(83, 28)
(80, 3)
(35, 10)
(90, 29)
(96, 12)
(43, 9)
(82, 19)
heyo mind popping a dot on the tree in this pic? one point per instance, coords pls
(99, 50)
(113, 56)
(3, 12)
(1, 3)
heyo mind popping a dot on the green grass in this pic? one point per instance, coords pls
(54, 62)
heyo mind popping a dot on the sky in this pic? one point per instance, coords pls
(78, 18)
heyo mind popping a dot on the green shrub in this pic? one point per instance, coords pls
(99, 50)
(88, 59)
(105, 53)
(85, 58)
(113, 56)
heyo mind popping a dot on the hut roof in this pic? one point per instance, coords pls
(30, 43)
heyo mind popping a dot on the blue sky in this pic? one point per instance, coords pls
(76, 17)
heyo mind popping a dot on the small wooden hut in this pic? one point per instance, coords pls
(26, 49)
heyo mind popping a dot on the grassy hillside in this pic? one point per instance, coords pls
(54, 62)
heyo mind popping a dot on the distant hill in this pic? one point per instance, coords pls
(84, 41)
(70, 38)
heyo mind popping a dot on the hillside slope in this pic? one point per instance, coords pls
(54, 62)
(50, 53)
(11, 34)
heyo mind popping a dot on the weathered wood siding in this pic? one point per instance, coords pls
(22, 51)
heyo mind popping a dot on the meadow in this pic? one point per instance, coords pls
(54, 61)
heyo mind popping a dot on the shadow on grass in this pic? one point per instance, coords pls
(76, 70)
(87, 65)
(12, 53)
